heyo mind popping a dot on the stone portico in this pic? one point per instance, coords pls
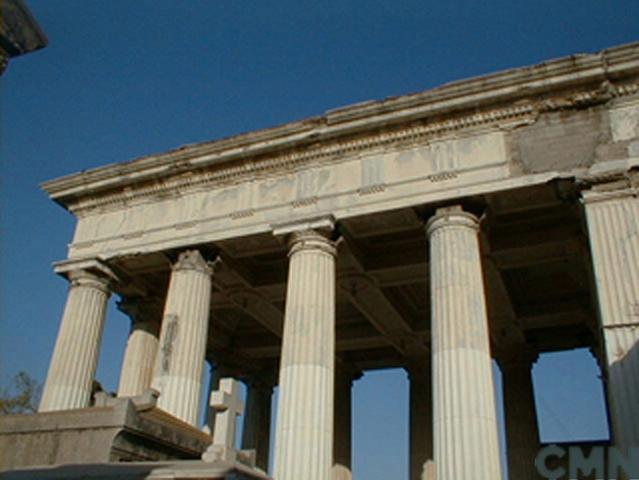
(489, 219)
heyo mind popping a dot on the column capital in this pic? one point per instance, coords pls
(91, 272)
(609, 191)
(613, 180)
(89, 279)
(453, 216)
(308, 234)
(310, 240)
(63, 267)
(192, 260)
(320, 224)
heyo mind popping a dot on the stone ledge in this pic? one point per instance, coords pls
(189, 469)
(100, 434)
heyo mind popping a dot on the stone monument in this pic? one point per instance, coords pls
(494, 218)
(221, 460)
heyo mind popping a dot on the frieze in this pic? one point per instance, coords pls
(410, 177)
(338, 151)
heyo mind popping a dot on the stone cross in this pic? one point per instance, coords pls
(228, 406)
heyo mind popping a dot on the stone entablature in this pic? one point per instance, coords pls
(404, 151)
(353, 186)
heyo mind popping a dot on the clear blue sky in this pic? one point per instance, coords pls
(122, 79)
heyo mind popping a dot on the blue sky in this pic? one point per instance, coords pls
(123, 79)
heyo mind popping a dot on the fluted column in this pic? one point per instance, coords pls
(141, 347)
(465, 419)
(420, 421)
(304, 431)
(342, 423)
(613, 226)
(180, 359)
(522, 430)
(75, 356)
(257, 421)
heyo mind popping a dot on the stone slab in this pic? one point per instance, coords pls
(122, 432)
(190, 469)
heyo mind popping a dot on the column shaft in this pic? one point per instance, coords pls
(304, 433)
(342, 445)
(421, 423)
(140, 351)
(613, 226)
(522, 431)
(75, 357)
(465, 419)
(180, 358)
(257, 423)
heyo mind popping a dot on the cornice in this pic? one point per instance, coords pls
(498, 100)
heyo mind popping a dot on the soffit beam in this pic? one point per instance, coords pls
(370, 300)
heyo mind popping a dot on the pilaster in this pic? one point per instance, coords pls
(465, 419)
(179, 362)
(304, 431)
(75, 356)
(141, 347)
(612, 216)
